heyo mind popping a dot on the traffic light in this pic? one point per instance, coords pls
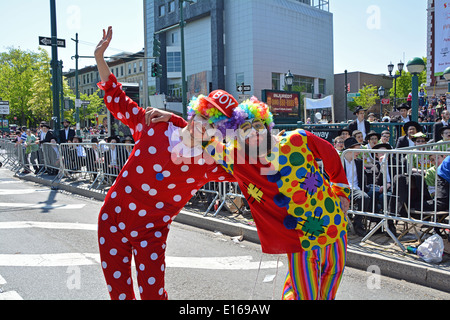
(156, 70)
(156, 48)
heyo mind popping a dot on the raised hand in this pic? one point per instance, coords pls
(104, 43)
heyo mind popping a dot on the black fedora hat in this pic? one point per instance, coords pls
(358, 109)
(45, 124)
(347, 129)
(373, 133)
(441, 130)
(117, 138)
(351, 142)
(382, 145)
(412, 123)
(404, 106)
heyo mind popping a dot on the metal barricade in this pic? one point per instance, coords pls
(399, 185)
(99, 162)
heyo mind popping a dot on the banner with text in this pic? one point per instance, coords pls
(441, 36)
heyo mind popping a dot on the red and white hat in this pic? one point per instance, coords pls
(223, 101)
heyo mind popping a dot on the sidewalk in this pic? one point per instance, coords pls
(379, 250)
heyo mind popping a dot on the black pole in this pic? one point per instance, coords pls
(55, 71)
(346, 92)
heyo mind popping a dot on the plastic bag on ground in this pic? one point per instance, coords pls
(432, 249)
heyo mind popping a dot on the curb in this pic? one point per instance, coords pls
(428, 276)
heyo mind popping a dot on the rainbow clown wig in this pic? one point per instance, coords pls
(248, 110)
(201, 106)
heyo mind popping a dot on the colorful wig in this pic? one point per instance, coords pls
(248, 110)
(199, 105)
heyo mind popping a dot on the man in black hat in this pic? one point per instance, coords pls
(403, 117)
(45, 134)
(66, 133)
(345, 133)
(440, 124)
(354, 170)
(411, 128)
(360, 123)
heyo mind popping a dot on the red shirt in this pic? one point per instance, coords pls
(154, 177)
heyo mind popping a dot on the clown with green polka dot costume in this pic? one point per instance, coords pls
(298, 210)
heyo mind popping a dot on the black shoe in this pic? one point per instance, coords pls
(359, 230)
(391, 228)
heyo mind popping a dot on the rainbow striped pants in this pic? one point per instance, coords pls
(316, 274)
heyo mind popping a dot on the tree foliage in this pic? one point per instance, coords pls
(25, 81)
(369, 96)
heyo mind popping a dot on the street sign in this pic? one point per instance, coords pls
(4, 107)
(243, 88)
(243, 97)
(79, 103)
(352, 96)
(46, 41)
(385, 101)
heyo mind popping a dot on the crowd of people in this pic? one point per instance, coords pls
(97, 151)
(364, 172)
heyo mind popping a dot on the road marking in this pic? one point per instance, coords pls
(85, 259)
(219, 263)
(42, 206)
(8, 181)
(6, 192)
(47, 225)
(8, 295)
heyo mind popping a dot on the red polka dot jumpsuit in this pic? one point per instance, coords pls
(147, 195)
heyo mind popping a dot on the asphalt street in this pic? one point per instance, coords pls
(48, 251)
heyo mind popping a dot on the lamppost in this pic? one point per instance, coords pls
(183, 67)
(400, 66)
(381, 92)
(289, 80)
(415, 67)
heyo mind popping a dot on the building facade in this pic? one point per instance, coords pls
(436, 52)
(356, 81)
(230, 42)
(129, 68)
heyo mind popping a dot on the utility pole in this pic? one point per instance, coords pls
(183, 67)
(77, 91)
(55, 71)
(346, 92)
(61, 87)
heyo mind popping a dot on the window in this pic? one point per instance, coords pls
(171, 6)
(140, 66)
(162, 10)
(174, 37)
(276, 81)
(239, 79)
(135, 67)
(121, 71)
(129, 68)
(173, 61)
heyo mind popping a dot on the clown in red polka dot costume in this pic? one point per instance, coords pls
(150, 190)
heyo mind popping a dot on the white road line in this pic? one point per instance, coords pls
(47, 225)
(42, 206)
(8, 295)
(6, 192)
(85, 259)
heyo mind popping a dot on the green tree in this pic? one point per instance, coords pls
(404, 84)
(369, 96)
(17, 70)
(41, 103)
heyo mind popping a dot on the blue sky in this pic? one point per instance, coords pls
(367, 34)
